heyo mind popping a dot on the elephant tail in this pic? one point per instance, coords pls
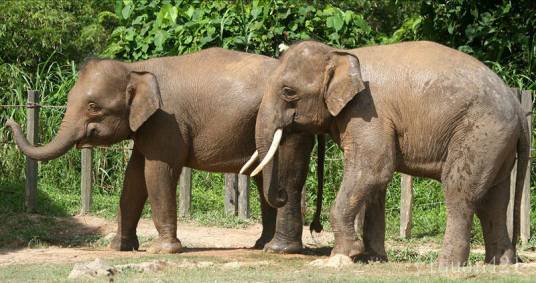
(523, 157)
(321, 148)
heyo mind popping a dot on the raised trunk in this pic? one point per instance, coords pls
(62, 142)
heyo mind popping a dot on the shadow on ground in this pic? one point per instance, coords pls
(50, 225)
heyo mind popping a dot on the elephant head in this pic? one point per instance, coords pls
(311, 85)
(108, 103)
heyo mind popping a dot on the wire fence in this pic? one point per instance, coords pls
(236, 195)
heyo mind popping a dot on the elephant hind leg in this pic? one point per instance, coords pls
(470, 171)
(374, 228)
(492, 214)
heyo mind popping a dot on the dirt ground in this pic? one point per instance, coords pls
(228, 247)
(201, 240)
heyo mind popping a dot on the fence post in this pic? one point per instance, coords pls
(243, 196)
(406, 202)
(525, 98)
(85, 182)
(526, 103)
(510, 208)
(231, 194)
(32, 126)
(185, 192)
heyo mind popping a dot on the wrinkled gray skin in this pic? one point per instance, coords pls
(198, 111)
(419, 108)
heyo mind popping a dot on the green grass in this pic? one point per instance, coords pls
(279, 269)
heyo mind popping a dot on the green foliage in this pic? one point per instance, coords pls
(499, 31)
(162, 27)
(32, 30)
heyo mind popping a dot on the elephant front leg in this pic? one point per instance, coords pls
(133, 198)
(268, 217)
(289, 226)
(365, 178)
(294, 155)
(161, 179)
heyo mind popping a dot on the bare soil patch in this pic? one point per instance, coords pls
(197, 240)
(224, 243)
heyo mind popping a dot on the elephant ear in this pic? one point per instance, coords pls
(343, 81)
(143, 96)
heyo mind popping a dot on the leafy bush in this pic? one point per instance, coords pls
(32, 30)
(163, 27)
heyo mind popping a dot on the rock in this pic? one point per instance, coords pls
(189, 264)
(205, 264)
(231, 265)
(96, 268)
(186, 264)
(336, 261)
(150, 266)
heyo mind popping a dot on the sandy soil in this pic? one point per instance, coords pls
(201, 240)
(197, 240)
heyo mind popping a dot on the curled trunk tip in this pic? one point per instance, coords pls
(63, 141)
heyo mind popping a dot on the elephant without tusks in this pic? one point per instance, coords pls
(198, 111)
(419, 108)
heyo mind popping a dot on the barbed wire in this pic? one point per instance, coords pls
(32, 106)
(95, 147)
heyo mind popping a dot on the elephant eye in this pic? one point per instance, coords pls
(93, 108)
(288, 94)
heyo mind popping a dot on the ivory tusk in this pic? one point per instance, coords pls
(271, 152)
(250, 161)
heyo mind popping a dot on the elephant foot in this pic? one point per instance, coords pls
(124, 244)
(165, 246)
(261, 242)
(507, 257)
(451, 261)
(283, 246)
(349, 247)
(370, 257)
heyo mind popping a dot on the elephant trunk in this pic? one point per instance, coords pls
(268, 135)
(62, 142)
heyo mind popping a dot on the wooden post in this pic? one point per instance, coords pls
(243, 197)
(32, 134)
(185, 192)
(85, 182)
(526, 103)
(510, 208)
(231, 194)
(406, 202)
(525, 98)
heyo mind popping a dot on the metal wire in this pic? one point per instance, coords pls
(35, 105)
